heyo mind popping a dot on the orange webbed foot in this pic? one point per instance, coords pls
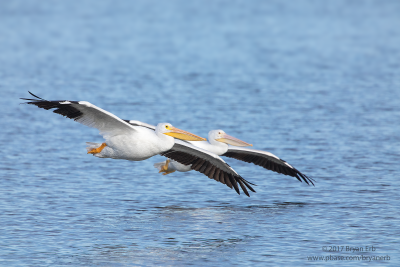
(97, 150)
(164, 168)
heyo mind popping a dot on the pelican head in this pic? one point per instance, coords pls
(221, 136)
(168, 129)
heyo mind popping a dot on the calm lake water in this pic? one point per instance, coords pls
(316, 83)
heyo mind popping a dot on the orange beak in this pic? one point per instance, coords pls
(184, 135)
(232, 140)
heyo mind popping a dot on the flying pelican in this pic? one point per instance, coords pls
(201, 160)
(136, 142)
(225, 145)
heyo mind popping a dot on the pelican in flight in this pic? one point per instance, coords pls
(225, 145)
(140, 141)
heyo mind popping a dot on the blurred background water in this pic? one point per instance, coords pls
(314, 82)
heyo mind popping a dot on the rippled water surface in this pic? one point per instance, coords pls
(316, 83)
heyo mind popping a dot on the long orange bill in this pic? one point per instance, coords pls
(232, 140)
(184, 135)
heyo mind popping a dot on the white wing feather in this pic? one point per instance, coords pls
(107, 123)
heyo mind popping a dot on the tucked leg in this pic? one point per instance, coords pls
(97, 150)
(165, 167)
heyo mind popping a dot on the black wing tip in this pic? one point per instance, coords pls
(29, 99)
(35, 95)
(247, 183)
(236, 189)
(58, 106)
(305, 178)
(243, 184)
(243, 187)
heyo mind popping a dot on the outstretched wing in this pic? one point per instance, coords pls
(207, 163)
(266, 160)
(85, 113)
(141, 124)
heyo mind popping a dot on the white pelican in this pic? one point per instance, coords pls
(141, 141)
(218, 142)
(196, 158)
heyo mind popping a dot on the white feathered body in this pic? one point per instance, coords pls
(136, 146)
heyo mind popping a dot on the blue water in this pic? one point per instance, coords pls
(315, 82)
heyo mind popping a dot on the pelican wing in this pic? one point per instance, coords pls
(266, 160)
(141, 124)
(207, 163)
(85, 113)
